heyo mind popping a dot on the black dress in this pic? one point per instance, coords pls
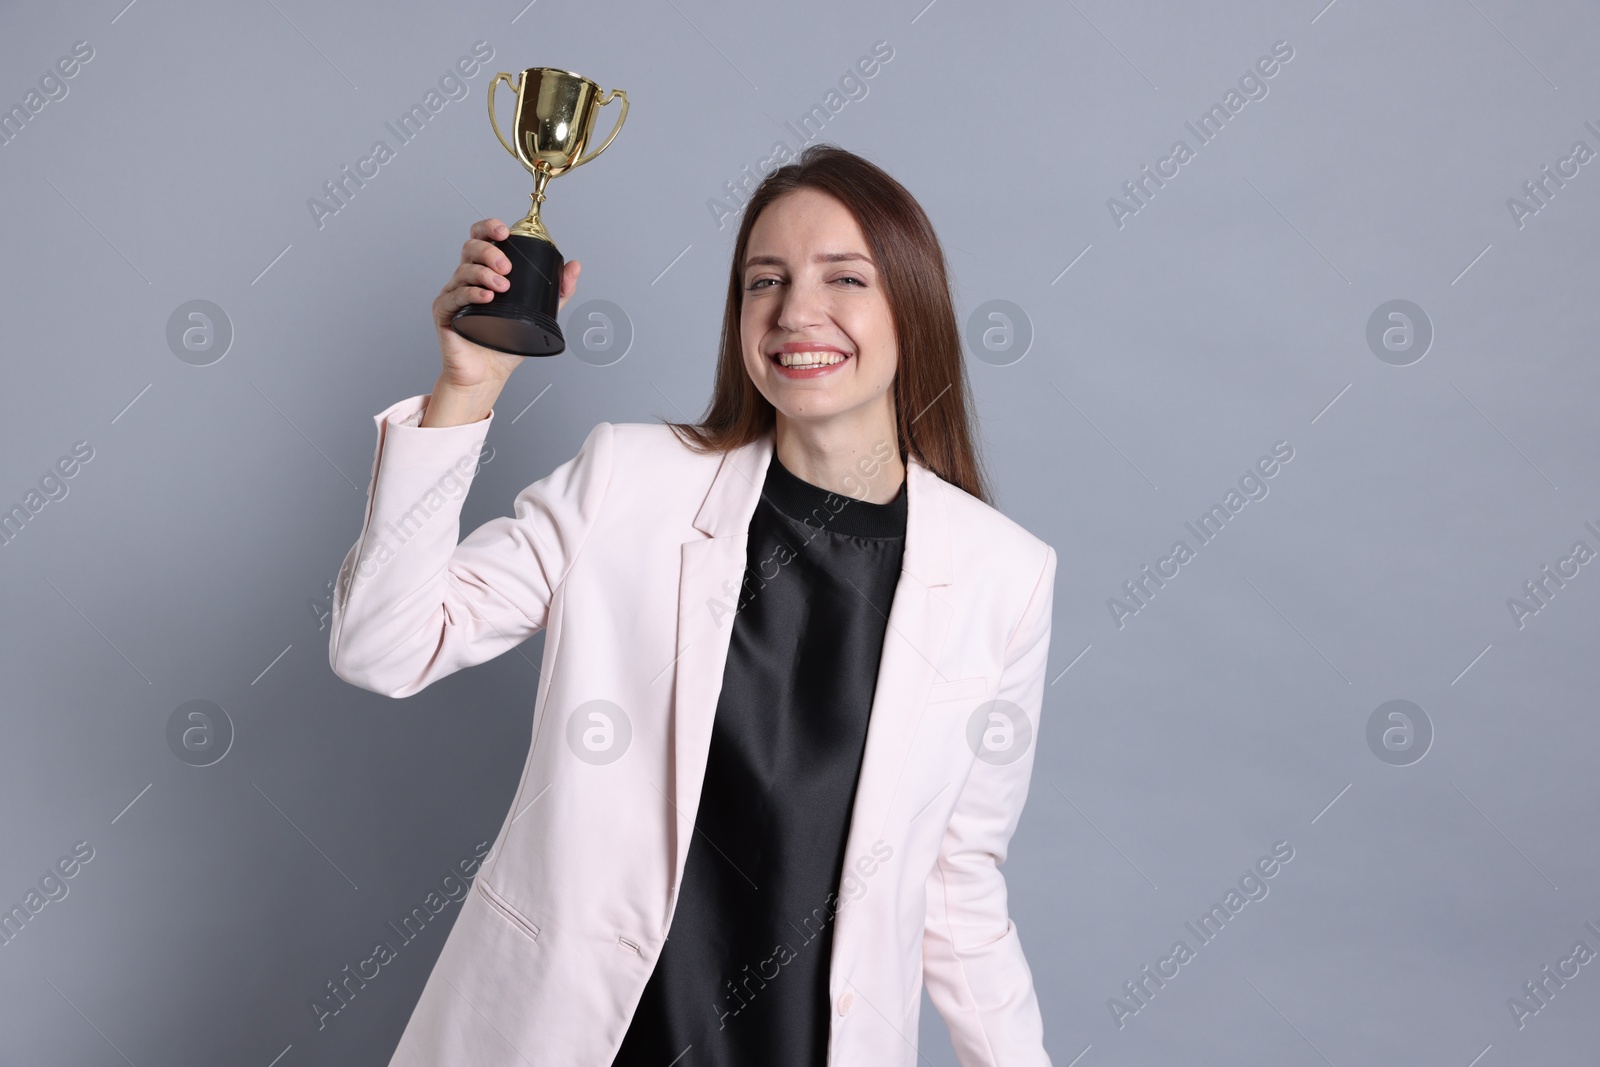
(743, 976)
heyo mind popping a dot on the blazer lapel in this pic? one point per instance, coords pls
(919, 620)
(712, 571)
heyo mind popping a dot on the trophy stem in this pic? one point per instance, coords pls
(531, 225)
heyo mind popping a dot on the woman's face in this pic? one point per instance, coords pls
(813, 297)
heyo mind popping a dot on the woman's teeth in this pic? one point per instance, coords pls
(810, 359)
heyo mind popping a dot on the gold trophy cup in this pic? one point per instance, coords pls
(556, 113)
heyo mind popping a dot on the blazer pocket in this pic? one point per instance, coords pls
(510, 914)
(959, 689)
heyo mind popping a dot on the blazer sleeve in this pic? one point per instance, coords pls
(973, 965)
(410, 604)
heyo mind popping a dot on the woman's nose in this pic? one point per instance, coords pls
(801, 307)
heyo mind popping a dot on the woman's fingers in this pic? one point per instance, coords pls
(477, 278)
(476, 251)
(454, 296)
(483, 267)
(489, 230)
(569, 282)
(479, 249)
(479, 275)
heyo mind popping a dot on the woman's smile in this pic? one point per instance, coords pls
(808, 359)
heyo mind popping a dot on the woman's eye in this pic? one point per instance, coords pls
(857, 282)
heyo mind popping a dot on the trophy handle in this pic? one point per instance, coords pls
(603, 101)
(495, 122)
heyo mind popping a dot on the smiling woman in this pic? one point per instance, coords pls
(835, 257)
(675, 880)
(817, 335)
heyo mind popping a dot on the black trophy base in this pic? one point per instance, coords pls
(520, 321)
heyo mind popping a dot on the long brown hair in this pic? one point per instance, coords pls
(932, 410)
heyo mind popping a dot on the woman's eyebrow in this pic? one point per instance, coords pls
(820, 257)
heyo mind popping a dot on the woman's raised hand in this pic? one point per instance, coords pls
(481, 274)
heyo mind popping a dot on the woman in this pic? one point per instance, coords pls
(793, 669)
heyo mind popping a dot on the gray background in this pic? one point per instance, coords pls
(190, 557)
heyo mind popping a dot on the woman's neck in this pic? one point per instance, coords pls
(859, 459)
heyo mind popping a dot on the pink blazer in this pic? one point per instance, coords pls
(630, 555)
